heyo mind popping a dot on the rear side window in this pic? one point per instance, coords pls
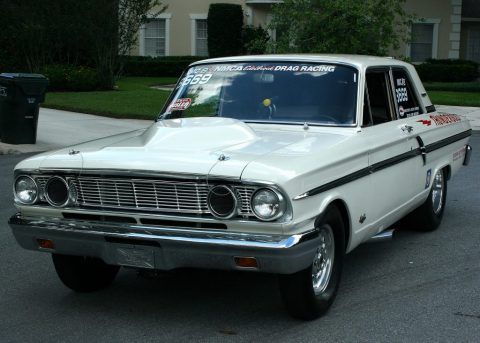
(407, 102)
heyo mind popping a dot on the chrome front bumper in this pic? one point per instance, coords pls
(168, 248)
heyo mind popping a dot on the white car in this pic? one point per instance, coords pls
(277, 164)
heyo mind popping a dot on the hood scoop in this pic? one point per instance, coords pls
(197, 134)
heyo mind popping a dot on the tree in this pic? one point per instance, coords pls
(95, 33)
(115, 35)
(255, 40)
(224, 25)
(339, 26)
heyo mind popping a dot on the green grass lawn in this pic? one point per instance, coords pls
(133, 99)
(455, 98)
(454, 93)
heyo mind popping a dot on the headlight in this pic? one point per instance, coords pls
(268, 204)
(26, 190)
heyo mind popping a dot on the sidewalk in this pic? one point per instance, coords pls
(57, 129)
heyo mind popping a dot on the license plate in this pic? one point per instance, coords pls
(135, 257)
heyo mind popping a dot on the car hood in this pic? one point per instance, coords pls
(205, 146)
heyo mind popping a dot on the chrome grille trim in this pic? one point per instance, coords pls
(160, 195)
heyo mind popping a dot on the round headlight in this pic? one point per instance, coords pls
(26, 190)
(267, 204)
(57, 191)
(222, 202)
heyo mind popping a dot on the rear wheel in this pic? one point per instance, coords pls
(84, 274)
(309, 293)
(429, 215)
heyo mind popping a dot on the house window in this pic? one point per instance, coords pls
(421, 46)
(155, 37)
(473, 44)
(201, 42)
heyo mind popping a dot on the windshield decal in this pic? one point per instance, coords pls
(193, 79)
(240, 67)
(180, 104)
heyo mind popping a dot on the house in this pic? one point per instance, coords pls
(444, 28)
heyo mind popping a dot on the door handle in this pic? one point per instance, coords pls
(407, 128)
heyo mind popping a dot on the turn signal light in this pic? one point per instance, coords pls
(246, 262)
(45, 244)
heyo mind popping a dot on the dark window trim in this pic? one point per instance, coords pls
(366, 97)
(386, 70)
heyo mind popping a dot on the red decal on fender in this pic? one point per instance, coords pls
(425, 122)
(445, 118)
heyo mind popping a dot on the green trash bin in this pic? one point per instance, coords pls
(20, 99)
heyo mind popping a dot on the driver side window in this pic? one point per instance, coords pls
(377, 108)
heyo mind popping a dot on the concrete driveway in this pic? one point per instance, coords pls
(57, 129)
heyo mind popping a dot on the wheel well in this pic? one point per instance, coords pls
(448, 171)
(342, 207)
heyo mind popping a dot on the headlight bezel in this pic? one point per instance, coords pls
(236, 203)
(15, 193)
(282, 204)
(70, 199)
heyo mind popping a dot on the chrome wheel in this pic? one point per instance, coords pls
(323, 260)
(437, 192)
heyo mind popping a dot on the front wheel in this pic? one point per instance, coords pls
(309, 293)
(84, 274)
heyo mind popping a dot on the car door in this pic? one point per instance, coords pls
(438, 135)
(393, 158)
(410, 111)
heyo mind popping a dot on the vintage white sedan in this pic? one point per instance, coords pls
(278, 164)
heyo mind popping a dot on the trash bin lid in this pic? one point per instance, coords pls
(13, 76)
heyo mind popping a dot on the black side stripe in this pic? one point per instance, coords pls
(447, 141)
(422, 150)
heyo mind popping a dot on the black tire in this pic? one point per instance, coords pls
(428, 216)
(297, 289)
(84, 274)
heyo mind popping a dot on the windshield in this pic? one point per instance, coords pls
(284, 92)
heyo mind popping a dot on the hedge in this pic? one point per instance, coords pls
(448, 71)
(63, 77)
(157, 66)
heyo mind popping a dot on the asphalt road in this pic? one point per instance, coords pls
(416, 288)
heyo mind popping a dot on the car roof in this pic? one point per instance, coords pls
(359, 61)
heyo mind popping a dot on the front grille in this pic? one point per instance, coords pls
(162, 195)
(189, 197)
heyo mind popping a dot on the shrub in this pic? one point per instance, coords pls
(473, 87)
(64, 77)
(157, 66)
(448, 71)
(224, 24)
(255, 40)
